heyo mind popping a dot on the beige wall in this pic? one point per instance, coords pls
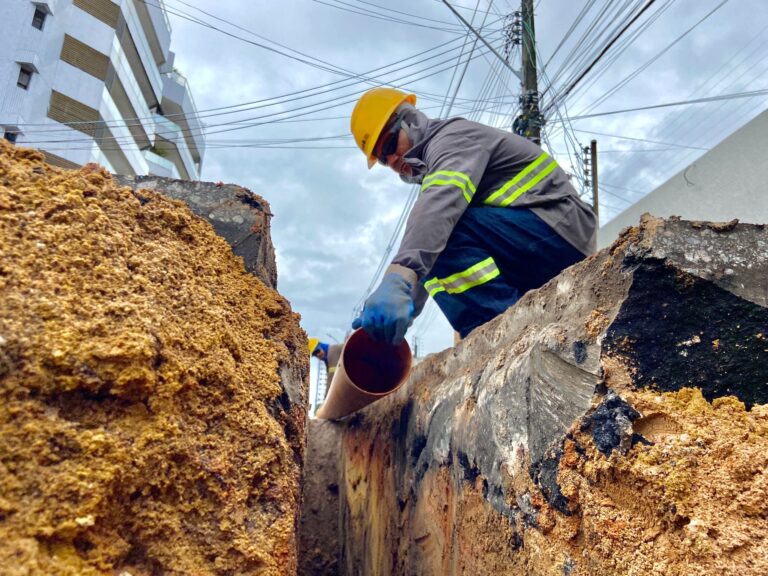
(730, 181)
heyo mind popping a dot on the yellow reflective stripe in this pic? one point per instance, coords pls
(481, 280)
(447, 177)
(457, 183)
(433, 287)
(527, 170)
(451, 174)
(531, 175)
(530, 184)
(459, 282)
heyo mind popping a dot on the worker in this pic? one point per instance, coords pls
(495, 216)
(328, 354)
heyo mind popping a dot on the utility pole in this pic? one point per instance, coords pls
(590, 175)
(595, 195)
(528, 123)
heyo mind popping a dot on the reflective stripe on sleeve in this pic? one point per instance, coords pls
(531, 175)
(476, 275)
(446, 177)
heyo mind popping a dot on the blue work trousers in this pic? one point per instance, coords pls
(526, 251)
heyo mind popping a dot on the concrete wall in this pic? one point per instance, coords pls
(725, 183)
(18, 38)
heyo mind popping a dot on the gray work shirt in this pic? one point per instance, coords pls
(461, 163)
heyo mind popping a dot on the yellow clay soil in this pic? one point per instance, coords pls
(138, 386)
(692, 503)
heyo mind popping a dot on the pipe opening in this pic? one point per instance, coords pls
(375, 367)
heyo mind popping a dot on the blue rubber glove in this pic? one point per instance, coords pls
(388, 312)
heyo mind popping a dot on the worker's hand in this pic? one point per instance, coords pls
(388, 312)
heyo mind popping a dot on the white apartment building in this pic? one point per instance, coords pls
(93, 81)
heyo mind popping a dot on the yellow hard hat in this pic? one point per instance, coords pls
(371, 114)
(313, 342)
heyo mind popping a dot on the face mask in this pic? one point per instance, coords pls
(418, 170)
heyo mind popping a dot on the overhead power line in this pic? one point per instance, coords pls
(641, 140)
(612, 14)
(483, 40)
(351, 76)
(414, 16)
(572, 85)
(471, 8)
(285, 115)
(385, 17)
(663, 51)
(269, 118)
(631, 190)
(614, 195)
(570, 31)
(628, 40)
(303, 94)
(751, 94)
(638, 150)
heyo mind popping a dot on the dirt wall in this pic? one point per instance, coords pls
(613, 422)
(145, 426)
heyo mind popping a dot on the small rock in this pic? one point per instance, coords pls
(85, 521)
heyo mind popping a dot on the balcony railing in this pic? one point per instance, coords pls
(173, 133)
(177, 77)
(161, 5)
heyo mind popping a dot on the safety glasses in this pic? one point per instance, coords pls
(387, 143)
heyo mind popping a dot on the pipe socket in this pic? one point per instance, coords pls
(367, 370)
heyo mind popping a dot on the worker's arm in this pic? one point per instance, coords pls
(455, 165)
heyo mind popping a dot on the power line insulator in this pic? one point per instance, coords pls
(513, 33)
(587, 162)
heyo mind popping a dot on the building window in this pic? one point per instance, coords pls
(11, 137)
(25, 76)
(39, 18)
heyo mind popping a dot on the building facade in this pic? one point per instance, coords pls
(729, 181)
(93, 81)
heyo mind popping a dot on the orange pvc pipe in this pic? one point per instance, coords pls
(367, 370)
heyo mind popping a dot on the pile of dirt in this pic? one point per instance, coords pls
(142, 417)
(690, 497)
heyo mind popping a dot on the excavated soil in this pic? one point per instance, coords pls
(142, 420)
(689, 498)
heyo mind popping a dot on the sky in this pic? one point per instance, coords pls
(301, 64)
